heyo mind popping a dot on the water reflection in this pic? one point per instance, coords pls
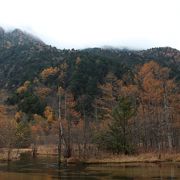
(46, 168)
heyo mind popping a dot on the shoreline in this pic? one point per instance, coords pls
(141, 158)
(104, 158)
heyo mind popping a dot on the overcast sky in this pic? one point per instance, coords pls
(78, 24)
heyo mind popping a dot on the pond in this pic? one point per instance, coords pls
(46, 168)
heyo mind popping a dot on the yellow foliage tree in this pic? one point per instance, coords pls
(49, 114)
(48, 72)
(18, 116)
(24, 87)
(43, 92)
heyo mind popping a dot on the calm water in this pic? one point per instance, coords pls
(47, 169)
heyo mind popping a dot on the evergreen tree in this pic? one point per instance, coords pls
(119, 129)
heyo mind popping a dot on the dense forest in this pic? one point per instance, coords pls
(88, 101)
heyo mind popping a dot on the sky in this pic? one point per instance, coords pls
(136, 24)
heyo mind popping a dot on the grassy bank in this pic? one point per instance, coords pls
(14, 153)
(143, 158)
(51, 150)
(109, 158)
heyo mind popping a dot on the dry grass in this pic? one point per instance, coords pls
(51, 150)
(47, 150)
(145, 157)
(14, 155)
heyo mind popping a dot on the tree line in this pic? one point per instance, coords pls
(90, 106)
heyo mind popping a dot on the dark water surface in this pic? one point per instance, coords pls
(45, 168)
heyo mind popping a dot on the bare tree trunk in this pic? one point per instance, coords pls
(9, 154)
(68, 147)
(85, 135)
(60, 129)
(34, 150)
(167, 118)
(79, 147)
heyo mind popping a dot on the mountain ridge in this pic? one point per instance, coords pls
(23, 57)
(17, 37)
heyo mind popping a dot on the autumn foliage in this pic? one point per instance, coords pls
(137, 111)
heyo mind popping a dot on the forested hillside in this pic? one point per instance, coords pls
(120, 101)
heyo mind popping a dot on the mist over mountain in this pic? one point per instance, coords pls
(23, 56)
(17, 37)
